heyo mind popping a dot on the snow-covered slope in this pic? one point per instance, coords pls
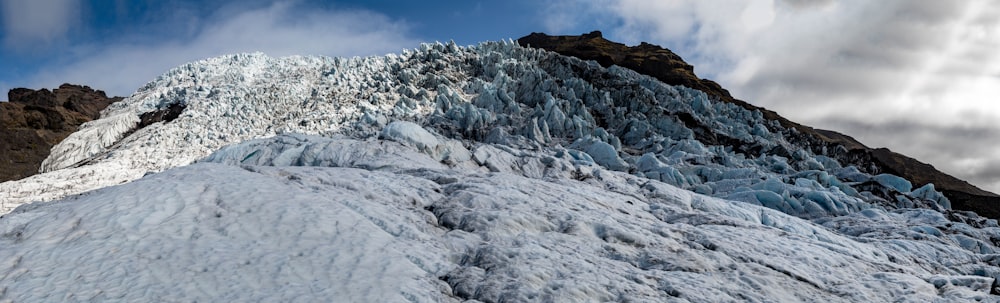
(494, 173)
(407, 228)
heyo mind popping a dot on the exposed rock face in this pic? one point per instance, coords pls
(668, 67)
(35, 120)
(645, 58)
(163, 115)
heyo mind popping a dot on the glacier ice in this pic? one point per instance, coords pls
(601, 153)
(895, 182)
(217, 233)
(304, 150)
(927, 192)
(388, 222)
(495, 92)
(408, 132)
(91, 140)
(491, 173)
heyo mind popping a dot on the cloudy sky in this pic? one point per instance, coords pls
(916, 76)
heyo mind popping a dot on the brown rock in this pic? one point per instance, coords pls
(35, 120)
(668, 67)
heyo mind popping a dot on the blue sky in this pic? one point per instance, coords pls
(918, 76)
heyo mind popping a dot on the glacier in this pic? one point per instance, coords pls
(349, 223)
(484, 173)
(612, 117)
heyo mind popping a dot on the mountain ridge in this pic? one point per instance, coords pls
(670, 68)
(33, 121)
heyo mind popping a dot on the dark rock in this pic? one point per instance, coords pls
(42, 97)
(645, 58)
(668, 67)
(162, 115)
(83, 99)
(35, 120)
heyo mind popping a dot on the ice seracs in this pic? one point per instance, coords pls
(495, 92)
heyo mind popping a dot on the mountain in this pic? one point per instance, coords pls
(486, 173)
(661, 63)
(35, 120)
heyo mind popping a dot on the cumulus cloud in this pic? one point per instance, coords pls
(36, 23)
(281, 29)
(861, 67)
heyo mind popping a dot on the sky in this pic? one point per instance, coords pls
(917, 76)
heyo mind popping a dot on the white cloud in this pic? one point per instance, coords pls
(554, 20)
(864, 64)
(28, 24)
(280, 29)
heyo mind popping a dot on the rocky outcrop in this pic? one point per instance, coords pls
(35, 120)
(668, 67)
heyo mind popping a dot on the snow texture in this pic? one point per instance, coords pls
(398, 230)
(487, 173)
